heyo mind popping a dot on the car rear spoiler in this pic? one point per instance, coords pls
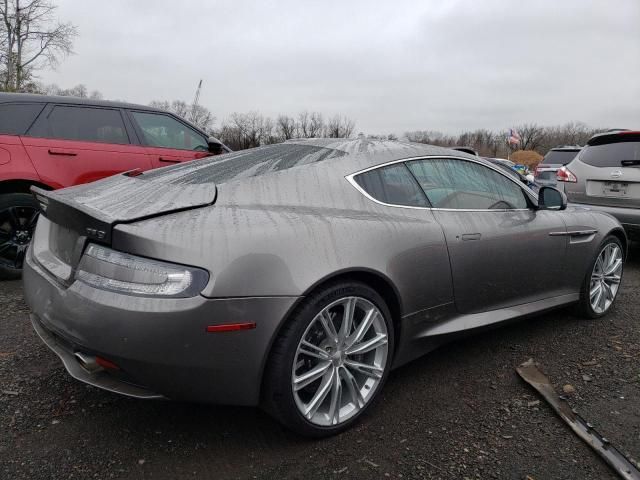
(93, 209)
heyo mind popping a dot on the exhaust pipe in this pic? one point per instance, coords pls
(88, 362)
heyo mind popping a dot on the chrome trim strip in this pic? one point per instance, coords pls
(573, 233)
(350, 178)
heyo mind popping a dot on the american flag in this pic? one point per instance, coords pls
(514, 137)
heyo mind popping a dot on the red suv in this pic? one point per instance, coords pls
(55, 142)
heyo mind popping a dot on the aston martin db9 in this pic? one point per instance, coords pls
(296, 276)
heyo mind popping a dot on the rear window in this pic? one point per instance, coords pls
(244, 164)
(559, 157)
(16, 118)
(625, 154)
(394, 185)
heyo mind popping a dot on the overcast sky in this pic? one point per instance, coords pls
(392, 66)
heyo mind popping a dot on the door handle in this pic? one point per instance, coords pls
(170, 159)
(471, 236)
(65, 153)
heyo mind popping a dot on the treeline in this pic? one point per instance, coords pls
(252, 129)
(494, 143)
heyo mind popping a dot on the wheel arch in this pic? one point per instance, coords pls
(620, 234)
(372, 278)
(21, 186)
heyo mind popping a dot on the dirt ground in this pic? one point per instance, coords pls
(460, 412)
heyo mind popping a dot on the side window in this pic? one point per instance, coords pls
(165, 131)
(87, 124)
(460, 184)
(394, 185)
(16, 118)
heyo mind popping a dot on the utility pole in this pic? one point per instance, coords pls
(194, 105)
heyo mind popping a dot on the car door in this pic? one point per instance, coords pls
(167, 139)
(500, 248)
(73, 144)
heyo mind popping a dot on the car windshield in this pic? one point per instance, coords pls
(612, 155)
(559, 157)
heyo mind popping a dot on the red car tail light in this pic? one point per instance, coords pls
(565, 175)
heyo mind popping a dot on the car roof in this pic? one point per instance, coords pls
(378, 152)
(36, 98)
(566, 148)
(614, 136)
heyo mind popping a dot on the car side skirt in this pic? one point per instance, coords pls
(425, 331)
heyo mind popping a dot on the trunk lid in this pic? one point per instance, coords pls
(72, 216)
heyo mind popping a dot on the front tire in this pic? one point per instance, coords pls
(602, 281)
(330, 360)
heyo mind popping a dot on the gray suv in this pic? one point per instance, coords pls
(606, 176)
(555, 158)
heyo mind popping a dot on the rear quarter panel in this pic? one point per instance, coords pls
(283, 236)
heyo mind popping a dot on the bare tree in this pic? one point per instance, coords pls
(31, 39)
(339, 127)
(286, 127)
(200, 115)
(316, 125)
(531, 136)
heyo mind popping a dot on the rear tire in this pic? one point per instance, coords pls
(350, 367)
(602, 281)
(18, 216)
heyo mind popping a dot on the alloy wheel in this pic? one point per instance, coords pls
(16, 229)
(340, 361)
(605, 278)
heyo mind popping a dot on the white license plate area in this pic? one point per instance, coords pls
(615, 189)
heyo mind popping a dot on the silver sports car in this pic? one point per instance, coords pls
(296, 276)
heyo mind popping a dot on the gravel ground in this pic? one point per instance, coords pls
(459, 412)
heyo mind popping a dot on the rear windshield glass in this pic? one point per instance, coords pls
(244, 164)
(612, 155)
(559, 157)
(16, 118)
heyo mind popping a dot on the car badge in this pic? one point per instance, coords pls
(616, 174)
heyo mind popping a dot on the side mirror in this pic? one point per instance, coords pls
(216, 146)
(550, 198)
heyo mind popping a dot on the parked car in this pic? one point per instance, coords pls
(296, 276)
(606, 176)
(545, 172)
(54, 142)
(528, 180)
(505, 162)
(468, 150)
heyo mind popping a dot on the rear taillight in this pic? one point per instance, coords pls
(565, 175)
(536, 171)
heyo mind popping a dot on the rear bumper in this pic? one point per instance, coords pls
(628, 217)
(161, 346)
(100, 378)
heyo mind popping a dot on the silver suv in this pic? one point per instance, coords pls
(545, 174)
(606, 176)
